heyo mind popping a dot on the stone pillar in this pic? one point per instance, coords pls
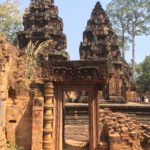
(49, 118)
(2, 124)
(103, 146)
(115, 141)
(3, 104)
(37, 121)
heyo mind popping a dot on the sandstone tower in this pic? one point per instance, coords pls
(99, 40)
(41, 23)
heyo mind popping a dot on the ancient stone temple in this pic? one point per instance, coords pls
(100, 42)
(34, 108)
(41, 22)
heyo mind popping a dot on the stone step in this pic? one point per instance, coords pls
(81, 113)
(76, 112)
(77, 116)
(145, 119)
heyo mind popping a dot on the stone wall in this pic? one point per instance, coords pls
(2, 126)
(2, 139)
(16, 106)
(145, 140)
(119, 132)
(7, 59)
(19, 121)
(19, 106)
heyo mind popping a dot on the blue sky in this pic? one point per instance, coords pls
(75, 14)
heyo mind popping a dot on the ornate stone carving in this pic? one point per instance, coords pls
(75, 70)
(49, 134)
(99, 40)
(41, 23)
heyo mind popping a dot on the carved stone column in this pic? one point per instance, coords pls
(48, 132)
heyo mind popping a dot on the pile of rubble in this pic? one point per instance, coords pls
(145, 141)
(119, 132)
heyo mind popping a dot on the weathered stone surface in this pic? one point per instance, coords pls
(2, 139)
(37, 122)
(41, 23)
(100, 41)
(19, 122)
(75, 70)
(30, 117)
(120, 131)
(7, 60)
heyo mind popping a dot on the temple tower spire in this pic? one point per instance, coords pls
(41, 23)
(50, 1)
(99, 40)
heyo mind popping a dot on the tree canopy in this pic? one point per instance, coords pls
(143, 74)
(10, 19)
(130, 18)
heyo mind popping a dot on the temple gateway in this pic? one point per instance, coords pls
(46, 102)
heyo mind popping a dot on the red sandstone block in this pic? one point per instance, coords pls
(37, 108)
(134, 135)
(124, 136)
(37, 146)
(37, 125)
(37, 137)
(103, 146)
(114, 138)
(37, 114)
(115, 146)
(124, 130)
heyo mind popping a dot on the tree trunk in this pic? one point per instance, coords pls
(123, 55)
(133, 56)
(123, 42)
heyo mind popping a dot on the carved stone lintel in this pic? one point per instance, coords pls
(75, 70)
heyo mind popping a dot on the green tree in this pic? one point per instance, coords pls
(143, 75)
(132, 18)
(117, 19)
(32, 52)
(10, 19)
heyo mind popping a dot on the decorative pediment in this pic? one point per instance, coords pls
(75, 70)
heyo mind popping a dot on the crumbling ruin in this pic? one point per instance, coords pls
(118, 131)
(100, 42)
(31, 109)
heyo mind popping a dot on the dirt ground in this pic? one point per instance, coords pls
(75, 145)
(76, 137)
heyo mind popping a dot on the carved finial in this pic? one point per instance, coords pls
(51, 1)
(98, 5)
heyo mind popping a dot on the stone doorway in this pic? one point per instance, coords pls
(76, 120)
(64, 144)
(60, 76)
